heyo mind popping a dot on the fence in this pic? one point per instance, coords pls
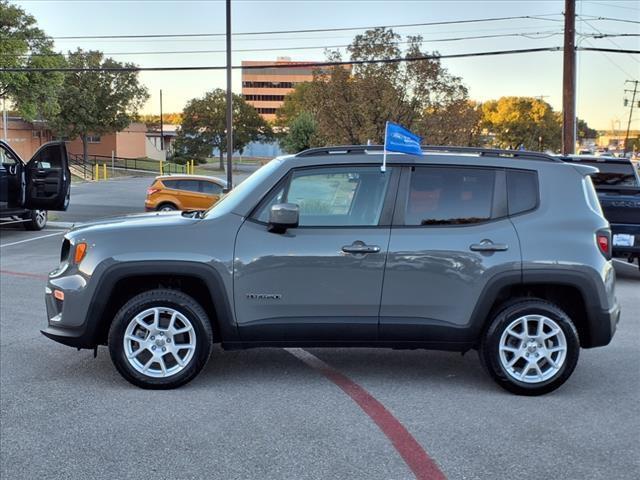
(87, 169)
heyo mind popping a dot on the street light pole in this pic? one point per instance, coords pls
(229, 102)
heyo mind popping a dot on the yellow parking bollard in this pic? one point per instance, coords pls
(104, 171)
(193, 167)
(161, 167)
(96, 175)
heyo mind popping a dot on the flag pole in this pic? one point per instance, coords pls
(383, 168)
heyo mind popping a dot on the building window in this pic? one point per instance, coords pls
(264, 98)
(93, 138)
(269, 84)
(35, 133)
(266, 111)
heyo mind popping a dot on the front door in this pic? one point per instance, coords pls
(451, 234)
(321, 281)
(48, 179)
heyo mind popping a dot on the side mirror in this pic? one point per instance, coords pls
(283, 216)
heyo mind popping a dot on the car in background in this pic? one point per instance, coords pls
(618, 187)
(29, 189)
(183, 192)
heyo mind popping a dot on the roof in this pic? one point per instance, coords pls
(181, 176)
(594, 159)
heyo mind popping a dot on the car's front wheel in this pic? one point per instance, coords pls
(160, 339)
(531, 347)
(35, 220)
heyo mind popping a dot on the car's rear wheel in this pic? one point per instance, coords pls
(531, 347)
(166, 207)
(160, 339)
(35, 220)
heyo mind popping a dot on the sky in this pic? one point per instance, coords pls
(600, 76)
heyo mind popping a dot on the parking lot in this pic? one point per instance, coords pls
(274, 413)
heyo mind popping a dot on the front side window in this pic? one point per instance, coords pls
(210, 188)
(449, 196)
(332, 196)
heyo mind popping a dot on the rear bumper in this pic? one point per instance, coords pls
(603, 326)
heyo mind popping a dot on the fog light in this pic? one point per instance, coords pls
(59, 295)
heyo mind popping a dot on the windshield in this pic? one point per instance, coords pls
(235, 196)
(618, 174)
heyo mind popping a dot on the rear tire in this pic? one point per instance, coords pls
(160, 339)
(166, 207)
(530, 348)
(35, 220)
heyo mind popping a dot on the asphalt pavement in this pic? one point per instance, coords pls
(266, 414)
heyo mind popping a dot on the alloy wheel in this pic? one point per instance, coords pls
(159, 342)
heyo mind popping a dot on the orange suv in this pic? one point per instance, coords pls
(183, 192)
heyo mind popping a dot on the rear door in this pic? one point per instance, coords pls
(48, 179)
(191, 195)
(451, 234)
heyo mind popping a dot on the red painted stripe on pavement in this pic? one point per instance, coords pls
(39, 276)
(416, 458)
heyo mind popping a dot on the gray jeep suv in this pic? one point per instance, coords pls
(504, 252)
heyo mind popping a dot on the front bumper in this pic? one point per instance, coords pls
(67, 318)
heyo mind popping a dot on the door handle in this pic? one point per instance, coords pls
(488, 246)
(360, 247)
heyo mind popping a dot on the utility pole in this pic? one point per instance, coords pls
(161, 126)
(5, 120)
(633, 101)
(569, 79)
(229, 102)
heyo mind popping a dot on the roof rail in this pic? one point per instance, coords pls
(340, 149)
(347, 149)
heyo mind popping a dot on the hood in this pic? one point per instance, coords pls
(162, 220)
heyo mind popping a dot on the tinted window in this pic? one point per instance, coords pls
(170, 183)
(344, 196)
(210, 188)
(449, 196)
(522, 191)
(613, 174)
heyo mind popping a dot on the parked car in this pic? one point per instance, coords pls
(617, 184)
(183, 192)
(505, 252)
(29, 189)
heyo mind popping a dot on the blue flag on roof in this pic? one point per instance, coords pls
(399, 139)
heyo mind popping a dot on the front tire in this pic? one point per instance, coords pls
(160, 339)
(35, 220)
(530, 348)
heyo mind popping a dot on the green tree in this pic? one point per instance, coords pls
(584, 131)
(302, 133)
(97, 101)
(353, 105)
(24, 45)
(204, 126)
(523, 121)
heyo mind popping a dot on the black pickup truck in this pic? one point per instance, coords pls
(618, 187)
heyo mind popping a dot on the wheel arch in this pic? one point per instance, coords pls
(572, 291)
(119, 283)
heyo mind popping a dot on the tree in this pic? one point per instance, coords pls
(522, 121)
(24, 45)
(584, 131)
(204, 126)
(302, 133)
(353, 105)
(97, 102)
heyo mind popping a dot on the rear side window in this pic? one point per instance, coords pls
(449, 196)
(210, 188)
(522, 191)
(170, 184)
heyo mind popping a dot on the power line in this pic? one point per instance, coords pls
(610, 19)
(280, 65)
(316, 30)
(531, 35)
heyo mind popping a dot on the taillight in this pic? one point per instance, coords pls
(603, 239)
(151, 190)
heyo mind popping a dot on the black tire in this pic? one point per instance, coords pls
(166, 207)
(35, 220)
(162, 298)
(489, 351)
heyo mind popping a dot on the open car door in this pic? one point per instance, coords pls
(48, 179)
